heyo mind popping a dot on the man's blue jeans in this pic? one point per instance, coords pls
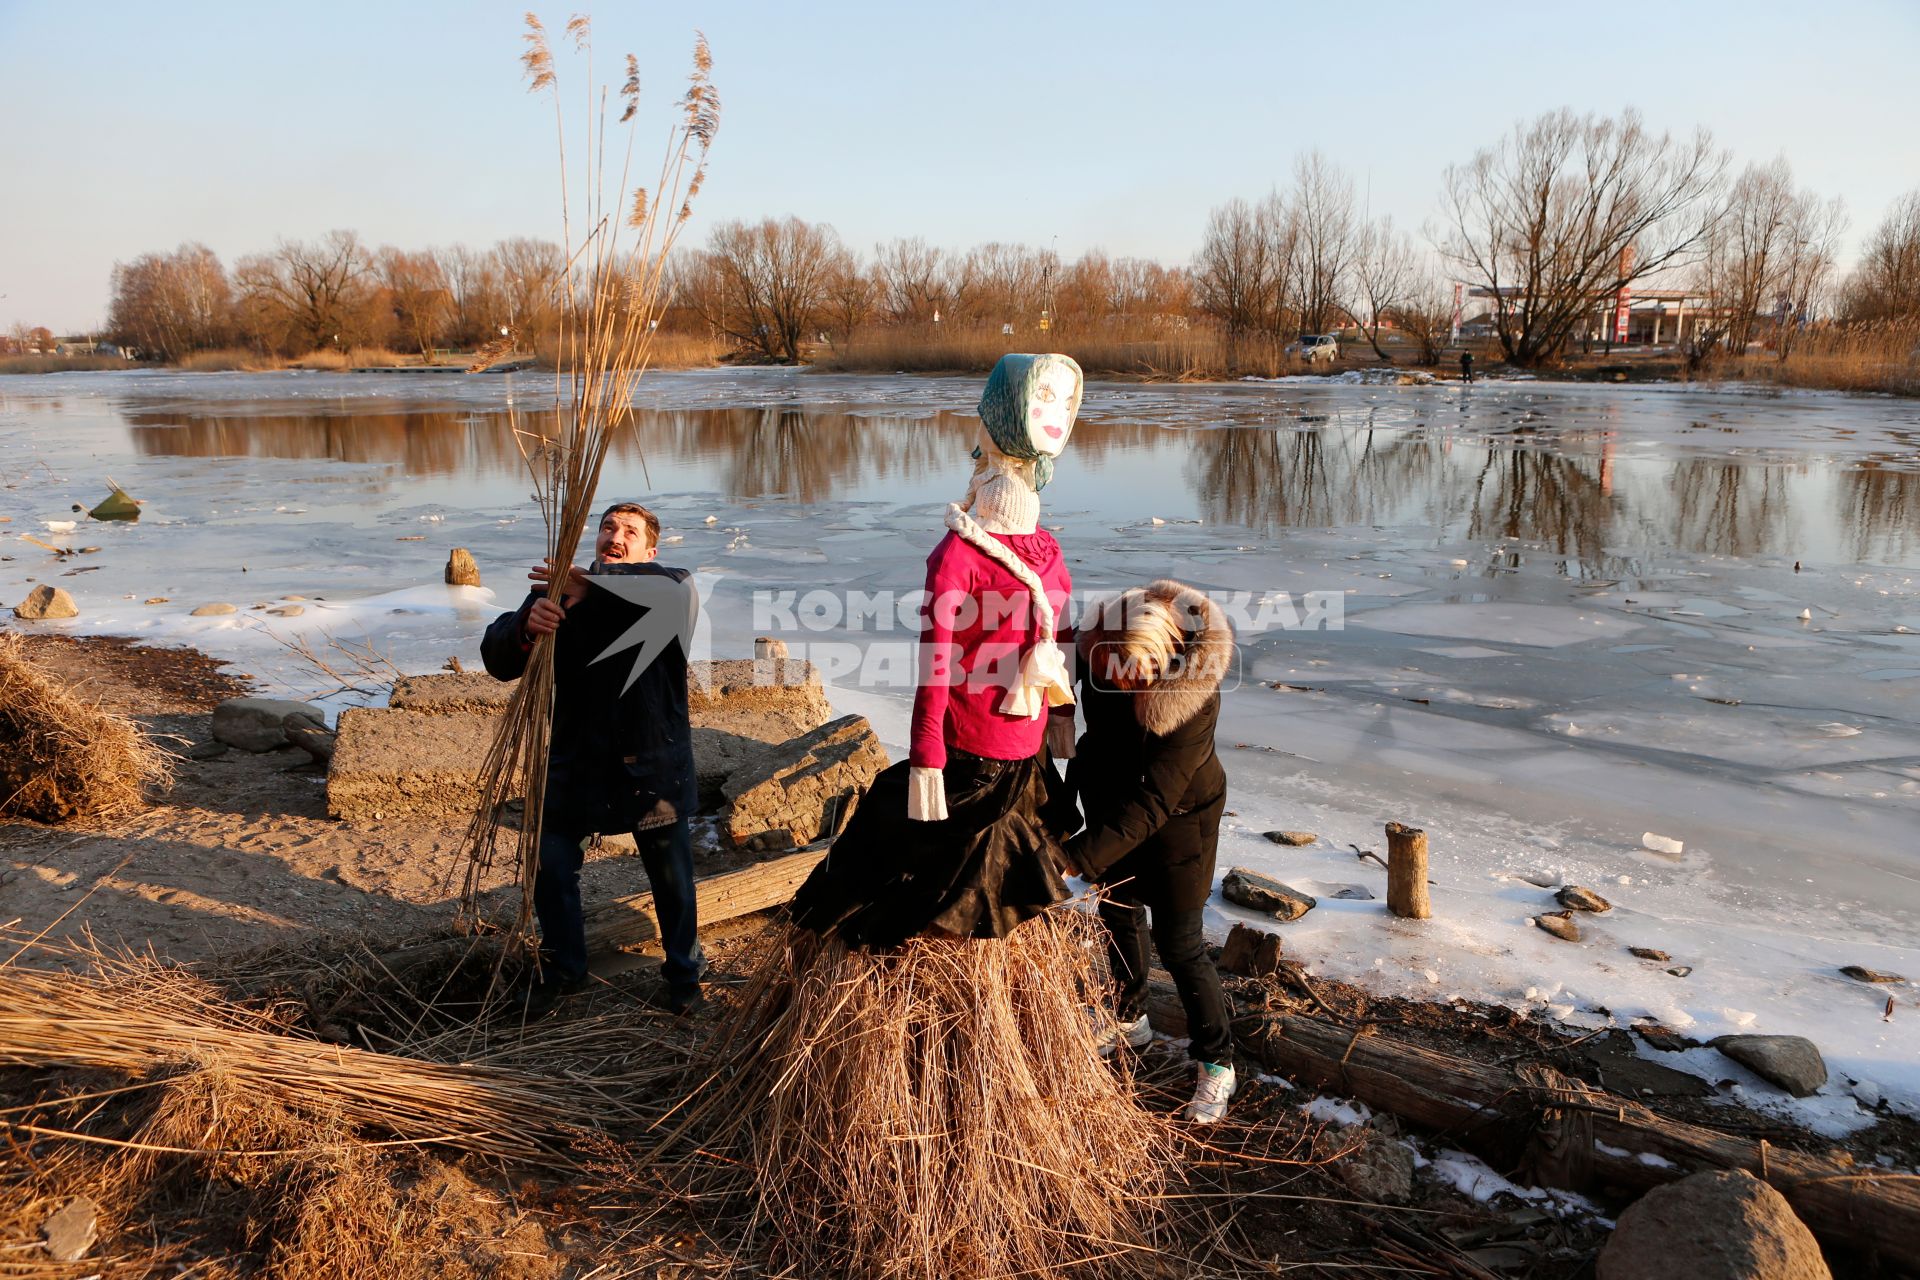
(667, 854)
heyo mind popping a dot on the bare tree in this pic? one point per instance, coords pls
(1323, 240)
(479, 307)
(417, 291)
(1235, 275)
(1386, 271)
(532, 277)
(1141, 289)
(302, 296)
(1885, 286)
(765, 284)
(1765, 259)
(1425, 314)
(850, 295)
(912, 280)
(998, 284)
(1566, 211)
(167, 305)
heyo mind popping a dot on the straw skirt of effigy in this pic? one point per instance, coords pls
(939, 1108)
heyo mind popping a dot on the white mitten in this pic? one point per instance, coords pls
(926, 795)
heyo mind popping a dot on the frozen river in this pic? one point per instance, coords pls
(1573, 615)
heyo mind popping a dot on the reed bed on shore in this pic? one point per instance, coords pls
(1195, 354)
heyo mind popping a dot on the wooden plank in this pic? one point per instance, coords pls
(630, 921)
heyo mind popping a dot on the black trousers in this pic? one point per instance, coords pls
(1178, 937)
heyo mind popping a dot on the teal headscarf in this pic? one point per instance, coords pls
(1009, 394)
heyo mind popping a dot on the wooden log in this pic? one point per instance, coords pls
(630, 921)
(1250, 952)
(1407, 872)
(1569, 1133)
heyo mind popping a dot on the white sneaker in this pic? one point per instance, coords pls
(1211, 1092)
(1135, 1035)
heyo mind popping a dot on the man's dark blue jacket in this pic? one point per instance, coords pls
(614, 756)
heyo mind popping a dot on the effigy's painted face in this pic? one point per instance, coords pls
(1050, 410)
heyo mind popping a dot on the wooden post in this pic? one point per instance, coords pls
(1407, 872)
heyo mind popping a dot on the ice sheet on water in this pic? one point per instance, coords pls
(1541, 626)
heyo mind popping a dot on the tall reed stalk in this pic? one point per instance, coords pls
(613, 293)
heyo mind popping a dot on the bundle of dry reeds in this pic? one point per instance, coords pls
(65, 757)
(936, 1110)
(153, 1021)
(613, 293)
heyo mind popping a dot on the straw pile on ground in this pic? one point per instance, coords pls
(204, 1131)
(64, 757)
(932, 1111)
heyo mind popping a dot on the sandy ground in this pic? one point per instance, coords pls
(239, 852)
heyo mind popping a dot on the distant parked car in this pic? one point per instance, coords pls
(1315, 348)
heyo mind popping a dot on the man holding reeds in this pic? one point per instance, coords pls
(621, 753)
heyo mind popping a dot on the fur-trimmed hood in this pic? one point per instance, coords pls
(1205, 656)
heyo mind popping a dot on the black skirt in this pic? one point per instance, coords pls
(991, 864)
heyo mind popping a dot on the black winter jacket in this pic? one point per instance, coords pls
(1145, 772)
(614, 754)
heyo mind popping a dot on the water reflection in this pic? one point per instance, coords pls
(1574, 492)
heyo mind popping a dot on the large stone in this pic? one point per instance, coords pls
(1792, 1062)
(1712, 1226)
(45, 602)
(387, 762)
(784, 794)
(1256, 892)
(260, 724)
(1560, 924)
(780, 687)
(469, 693)
(395, 763)
(1580, 898)
(461, 570)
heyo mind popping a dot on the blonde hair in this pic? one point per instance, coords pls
(1146, 636)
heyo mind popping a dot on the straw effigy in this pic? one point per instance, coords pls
(934, 1110)
(65, 757)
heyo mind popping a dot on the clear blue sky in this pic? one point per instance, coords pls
(129, 127)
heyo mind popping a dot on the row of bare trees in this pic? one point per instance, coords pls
(775, 285)
(1544, 227)
(333, 292)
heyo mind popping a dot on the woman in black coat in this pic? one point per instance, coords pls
(1152, 791)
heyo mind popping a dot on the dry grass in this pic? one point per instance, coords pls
(1191, 355)
(66, 758)
(229, 360)
(354, 358)
(61, 364)
(1884, 359)
(932, 1111)
(223, 1134)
